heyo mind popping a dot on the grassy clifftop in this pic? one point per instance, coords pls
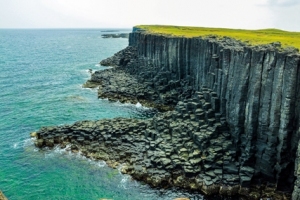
(253, 37)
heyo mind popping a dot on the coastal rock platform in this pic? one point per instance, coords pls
(230, 120)
(147, 84)
(188, 148)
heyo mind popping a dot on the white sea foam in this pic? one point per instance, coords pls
(28, 142)
(97, 163)
(124, 181)
(57, 151)
(24, 143)
(105, 99)
(138, 105)
(120, 168)
(89, 89)
(67, 153)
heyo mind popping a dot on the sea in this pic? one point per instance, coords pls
(41, 77)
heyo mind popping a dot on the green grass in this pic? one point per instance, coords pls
(252, 37)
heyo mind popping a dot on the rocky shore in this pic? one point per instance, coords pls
(188, 148)
(147, 84)
(230, 120)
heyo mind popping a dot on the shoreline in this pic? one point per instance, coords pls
(204, 140)
(124, 142)
(127, 142)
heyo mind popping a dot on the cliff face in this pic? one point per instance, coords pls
(232, 125)
(258, 94)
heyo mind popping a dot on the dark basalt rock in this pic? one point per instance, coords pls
(120, 58)
(235, 124)
(163, 151)
(258, 96)
(145, 84)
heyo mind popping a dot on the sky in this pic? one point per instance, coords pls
(244, 14)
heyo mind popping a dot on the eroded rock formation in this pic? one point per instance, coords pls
(258, 88)
(235, 127)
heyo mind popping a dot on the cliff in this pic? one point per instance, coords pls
(235, 124)
(259, 93)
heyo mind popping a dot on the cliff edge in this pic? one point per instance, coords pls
(233, 124)
(258, 95)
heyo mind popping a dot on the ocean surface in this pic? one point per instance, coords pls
(41, 77)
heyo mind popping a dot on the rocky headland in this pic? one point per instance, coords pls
(116, 35)
(230, 120)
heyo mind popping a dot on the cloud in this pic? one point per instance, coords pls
(285, 14)
(283, 2)
(127, 13)
(287, 17)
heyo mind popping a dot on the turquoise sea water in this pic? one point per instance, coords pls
(41, 73)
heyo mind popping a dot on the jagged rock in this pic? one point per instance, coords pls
(120, 58)
(39, 143)
(235, 125)
(33, 134)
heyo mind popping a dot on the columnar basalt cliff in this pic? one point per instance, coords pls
(235, 127)
(258, 89)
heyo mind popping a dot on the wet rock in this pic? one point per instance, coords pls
(33, 134)
(39, 143)
(231, 125)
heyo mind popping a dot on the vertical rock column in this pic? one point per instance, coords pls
(258, 88)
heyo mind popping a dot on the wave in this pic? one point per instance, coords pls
(138, 105)
(124, 181)
(24, 143)
(67, 153)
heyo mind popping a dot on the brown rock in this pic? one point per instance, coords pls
(2, 197)
(39, 143)
(33, 134)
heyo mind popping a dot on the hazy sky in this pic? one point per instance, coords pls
(248, 14)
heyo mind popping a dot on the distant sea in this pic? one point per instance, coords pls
(41, 77)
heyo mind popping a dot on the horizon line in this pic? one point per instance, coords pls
(108, 28)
